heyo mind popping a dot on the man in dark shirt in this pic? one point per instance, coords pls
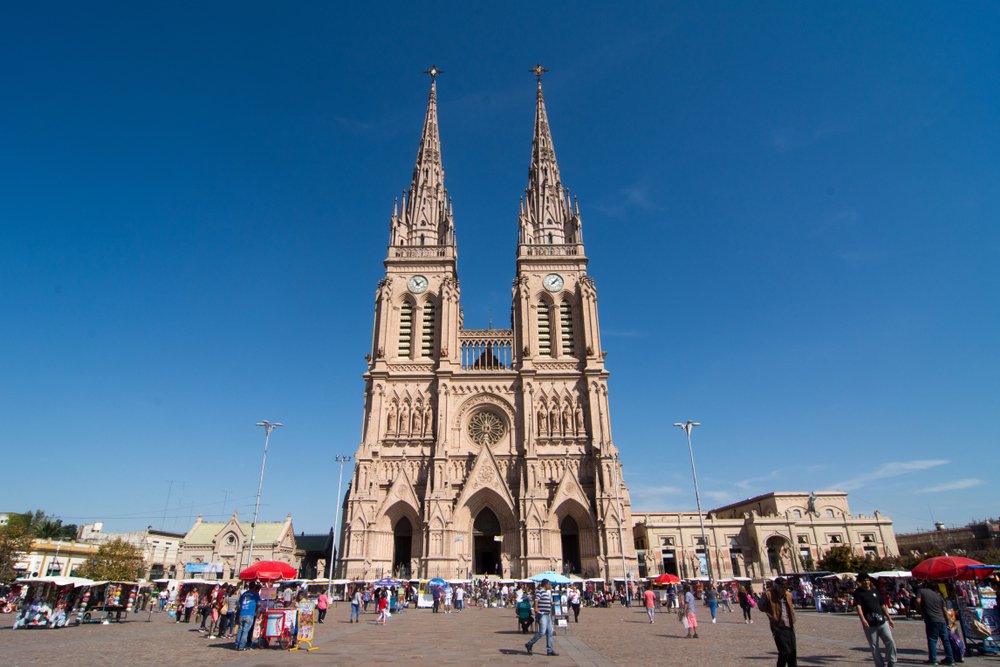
(875, 620)
(931, 605)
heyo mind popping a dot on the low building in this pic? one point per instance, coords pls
(54, 558)
(759, 537)
(976, 536)
(316, 551)
(160, 548)
(219, 550)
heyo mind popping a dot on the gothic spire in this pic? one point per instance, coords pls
(547, 215)
(425, 217)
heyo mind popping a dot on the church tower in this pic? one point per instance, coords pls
(486, 451)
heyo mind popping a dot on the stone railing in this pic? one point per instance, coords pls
(420, 251)
(486, 349)
(557, 249)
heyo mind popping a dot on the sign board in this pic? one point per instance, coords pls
(306, 626)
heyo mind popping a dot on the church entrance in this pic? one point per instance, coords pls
(570, 533)
(402, 538)
(486, 548)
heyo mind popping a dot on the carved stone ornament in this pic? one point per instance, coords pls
(486, 428)
(485, 476)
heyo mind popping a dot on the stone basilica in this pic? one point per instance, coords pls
(486, 451)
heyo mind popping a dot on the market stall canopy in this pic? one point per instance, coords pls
(666, 578)
(57, 580)
(268, 570)
(553, 577)
(891, 574)
(843, 576)
(387, 582)
(950, 567)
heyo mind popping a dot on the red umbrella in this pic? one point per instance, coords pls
(949, 567)
(667, 578)
(268, 570)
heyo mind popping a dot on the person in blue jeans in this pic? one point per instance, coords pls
(248, 604)
(355, 606)
(543, 614)
(712, 599)
(932, 605)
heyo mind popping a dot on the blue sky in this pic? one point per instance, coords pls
(790, 210)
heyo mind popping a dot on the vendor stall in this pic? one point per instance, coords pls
(107, 601)
(48, 601)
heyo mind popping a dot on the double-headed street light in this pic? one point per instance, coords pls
(336, 521)
(687, 426)
(268, 427)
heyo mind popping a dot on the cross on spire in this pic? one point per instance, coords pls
(539, 71)
(432, 72)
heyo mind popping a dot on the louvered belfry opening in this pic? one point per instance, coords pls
(405, 329)
(427, 331)
(566, 328)
(544, 330)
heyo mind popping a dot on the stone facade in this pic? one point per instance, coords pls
(220, 550)
(771, 534)
(486, 451)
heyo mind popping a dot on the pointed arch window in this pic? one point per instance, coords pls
(544, 330)
(566, 328)
(427, 331)
(405, 329)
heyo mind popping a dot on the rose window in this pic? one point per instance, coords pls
(485, 428)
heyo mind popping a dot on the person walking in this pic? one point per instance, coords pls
(543, 614)
(745, 598)
(356, 606)
(690, 613)
(459, 598)
(712, 599)
(322, 603)
(777, 604)
(931, 605)
(875, 620)
(248, 603)
(229, 621)
(574, 602)
(190, 602)
(649, 602)
(382, 607)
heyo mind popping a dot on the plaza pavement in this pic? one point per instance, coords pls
(613, 636)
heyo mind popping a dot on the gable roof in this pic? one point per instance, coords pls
(266, 533)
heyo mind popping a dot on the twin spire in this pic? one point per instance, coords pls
(425, 217)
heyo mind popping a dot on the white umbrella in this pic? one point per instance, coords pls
(891, 574)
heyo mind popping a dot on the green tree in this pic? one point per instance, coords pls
(15, 539)
(838, 559)
(114, 561)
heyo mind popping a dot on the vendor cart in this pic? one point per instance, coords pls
(106, 602)
(278, 628)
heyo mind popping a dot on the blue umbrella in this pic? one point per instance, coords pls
(553, 577)
(386, 582)
(437, 581)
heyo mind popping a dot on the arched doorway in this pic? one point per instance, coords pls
(570, 533)
(485, 545)
(402, 538)
(779, 557)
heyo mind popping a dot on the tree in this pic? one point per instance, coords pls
(837, 559)
(15, 540)
(116, 560)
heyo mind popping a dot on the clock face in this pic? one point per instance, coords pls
(553, 282)
(417, 284)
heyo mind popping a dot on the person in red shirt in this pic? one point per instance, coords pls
(649, 600)
(383, 609)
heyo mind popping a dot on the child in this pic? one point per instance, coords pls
(383, 609)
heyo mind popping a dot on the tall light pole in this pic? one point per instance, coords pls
(336, 521)
(687, 426)
(268, 427)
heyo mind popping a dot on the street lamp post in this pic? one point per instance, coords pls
(268, 427)
(336, 521)
(687, 426)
